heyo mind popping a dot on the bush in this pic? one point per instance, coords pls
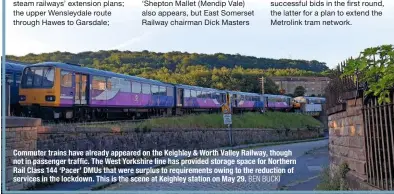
(334, 182)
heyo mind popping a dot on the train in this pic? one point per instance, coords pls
(58, 91)
(13, 78)
(309, 105)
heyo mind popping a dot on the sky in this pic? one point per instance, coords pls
(330, 44)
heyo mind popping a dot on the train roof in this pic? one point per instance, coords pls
(276, 96)
(244, 93)
(311, 98)
(87, 70)
(14, 66)
(198, 88)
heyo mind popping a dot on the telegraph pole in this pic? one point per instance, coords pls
(262, 85)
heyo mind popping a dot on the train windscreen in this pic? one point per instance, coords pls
(38, 77)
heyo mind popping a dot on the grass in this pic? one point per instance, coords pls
(334, 182)
(270, 120)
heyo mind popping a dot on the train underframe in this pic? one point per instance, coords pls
(15, 110)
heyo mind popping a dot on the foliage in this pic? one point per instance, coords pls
(299, 91)
(376, 68)
(333, 181)
(269, 120)
(171, 60)
(270, 87)
(221, 71)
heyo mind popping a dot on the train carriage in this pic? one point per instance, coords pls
(13, 78)
(277, 102)
(60, 90)
(244, 101)
(309, 105)
(198, 99)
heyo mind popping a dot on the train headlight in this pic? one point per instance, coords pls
(50, 98)
(22, 98)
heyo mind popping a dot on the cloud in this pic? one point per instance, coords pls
(127, 44)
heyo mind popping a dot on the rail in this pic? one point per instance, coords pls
(341, 88)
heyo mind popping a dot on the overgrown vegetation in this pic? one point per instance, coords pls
(334, 181)
(221, 71)
(270, 120)
(376, 68)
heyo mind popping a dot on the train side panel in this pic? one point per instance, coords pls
(197, 99)
(118, 92)
(278, 102)
(242, 101)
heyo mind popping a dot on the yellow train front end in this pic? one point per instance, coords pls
(39, 91)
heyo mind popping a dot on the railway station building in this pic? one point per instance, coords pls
(313, 85)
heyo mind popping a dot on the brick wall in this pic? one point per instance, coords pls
(83, 138)
(346, 143)
(27, 134)
(21, 134)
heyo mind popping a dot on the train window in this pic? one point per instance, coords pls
(203, 94)
(18, 78)
(186, 94)
(199, 94)
(124, 85)
(155, 90)
(98, 83)
(170, 91)
(37, 80)
(145, 88)
(217, 96)
(113, 83)
(65, 79)
(9, 78)
(28, 80)
(193, 93)
(110, 84)
(162, 91)
(38, 77)
(214, 95)
(49, 75)
(223, 98)
(135, 87)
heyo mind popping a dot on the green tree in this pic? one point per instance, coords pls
(299, 91)
(376, 67)
(221, 71)
(270, 87)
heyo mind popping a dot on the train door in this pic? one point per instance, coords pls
(81, 89)
(223, 98)
(266, 101)
(179, 97)
(235, 98)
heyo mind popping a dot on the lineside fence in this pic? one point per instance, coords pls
(378, 120)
